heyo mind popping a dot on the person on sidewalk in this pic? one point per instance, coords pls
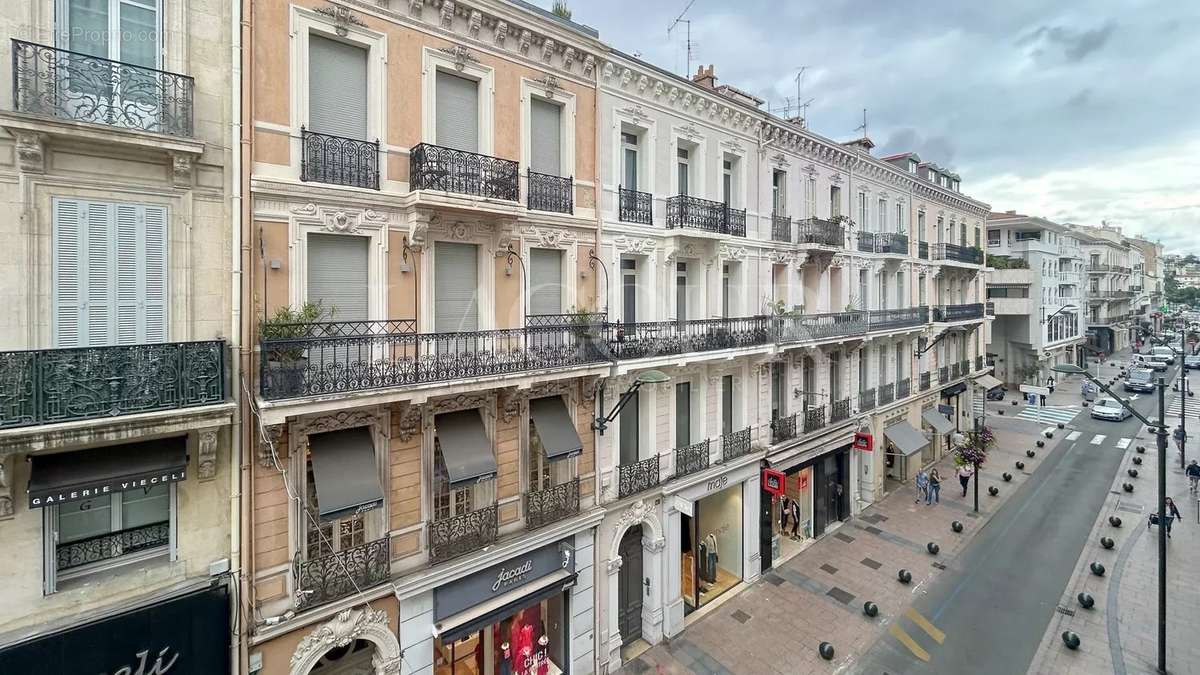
(1193, 474)
(1172, 514)
(1180, 437)
(964, 477)
(923, 485)
(935, 488)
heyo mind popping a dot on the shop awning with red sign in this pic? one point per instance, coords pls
(95, 472)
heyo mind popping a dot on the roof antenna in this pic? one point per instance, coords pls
(688, 43)
(864, 124)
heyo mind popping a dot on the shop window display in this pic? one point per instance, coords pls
(530, 642)
(711, 548)
(792, 514)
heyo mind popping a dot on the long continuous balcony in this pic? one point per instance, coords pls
(543, 507)
(1110, 295)
(814, 327)
(81, 88)
(781, 228)
(1100, 268)
(46, 386)
(820, 232)
(965, 312)
(894, 319)
(956, 253)
(338, 160)
(338, 575)
(638, 477)
(433, 167)
(545, 192)
(664, 338)
(634, 206)
(464, 533)
(684, 211)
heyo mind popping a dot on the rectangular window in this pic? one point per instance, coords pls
(883, 290)
(901, 296)
(835, 376)
(727, 182)
(727, 405)
(110, 273)
(457, 112)
(628, 290)
(835, 201)
(920, 226)
(455, 287)
(862, 290)
(683, 414)
(725, 291)
(545, 137)
(629, 156)
(337, 88)
(681, 291)
(810, 190)
(883, 215)
(862, 369)
(900, 358)
(900, 217)
(630, 433)
(93, 534)
(545, 281)
(545, 473)
(862, 211)
(682, 163)
(778, 390)
(450, 500)
(883, 369)
(921, 291)
(126, 31)
(779, 192)
(337, 274)
(977, 237)
(993, 237)
(941, 234)
(962, 234)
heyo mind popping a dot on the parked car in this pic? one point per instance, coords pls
(997, 393)
(1166, 351)
(1140, 379)
(1108, 409)
(1191, 362)
(1144, 361)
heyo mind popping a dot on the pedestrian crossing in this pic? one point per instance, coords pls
(1056, 414)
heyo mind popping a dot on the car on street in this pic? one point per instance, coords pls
(1108, 409)
(1140, 379)
(997, 392)
(1191, 362)
(1145, 361)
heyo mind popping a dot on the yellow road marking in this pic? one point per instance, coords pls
(921, 621)
(906, 639)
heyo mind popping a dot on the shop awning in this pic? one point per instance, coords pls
(988, 382)
(907, 440)
(464, 623)
(84, 474)
(938, 421)
(554, 427)
(345, 472)
(465, 446)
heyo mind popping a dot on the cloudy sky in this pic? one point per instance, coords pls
(1076, 110)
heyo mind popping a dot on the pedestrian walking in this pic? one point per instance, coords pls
(1193, 474)
(1171, 514)
(923, 485)
(935, 488)
(1180, 437)
(964, 476)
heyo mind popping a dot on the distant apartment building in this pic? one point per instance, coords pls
(1110, 317)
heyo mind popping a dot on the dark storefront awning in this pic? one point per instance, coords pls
(938, 421)
(554, 427)
(345, 472)
(954, 390)
(465, 446)
(487, 613)
(83, 474)
(907, 440)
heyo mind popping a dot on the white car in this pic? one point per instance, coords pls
(1146, 361)
(1108, 409)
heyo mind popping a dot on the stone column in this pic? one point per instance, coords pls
(673, 591)
(751, 546)
(583, 610)
(653, 568)
(416, 633)
(611, 613)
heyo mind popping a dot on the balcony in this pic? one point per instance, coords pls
(887, 393)
(338, 161)
(47, 386)
(951, 313)
(667, 338)
(925, 381)
(964, 367)
(545, 192)
(459, 535)
(814, 418)
(979, 363)
(637, 477)
(781, 228)
(895, 319)
(735, 444)
(839, 411)
(783, 429)
(341, 574)
(956, 253)
(989, 308)
(1099, 268)
(692, 459)
(433, 167)
(817, 327)
(702, 214)
(890, 243)
(1110, 295)
(543, 507)
(820, 232)
(866, 400)
(903, 388)
(634, 206)
(80, 88)
(923, 250)
(112, 545)
(943, 374)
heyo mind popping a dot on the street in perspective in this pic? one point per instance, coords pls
(582, 337)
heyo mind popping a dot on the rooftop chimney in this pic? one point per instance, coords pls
(1011, 212)
(704, 77)
(863, 144)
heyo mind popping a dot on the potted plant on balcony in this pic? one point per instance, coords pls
(587, 328)
(285, 356)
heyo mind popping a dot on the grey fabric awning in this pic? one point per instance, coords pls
(907, 440)
(554, 427)
(988, 382)
(84, 474)
(345, 472)
(466, 449)
(938, 421)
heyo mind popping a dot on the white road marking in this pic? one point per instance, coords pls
(1124, 443)
(1073, 435)
(1098, 439)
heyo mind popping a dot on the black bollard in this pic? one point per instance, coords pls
(1020, 465)
(1137, 460)
(1115, 521)
(932, 548)
(825, 650)
(1071, 640)
(993, 490)
(1086, 601)
(956, 526)
(1097, 569)
(1107, 542)
(870, 609)
(1133, 473)
(904, 576)
(1006, 476)
(1128, 487)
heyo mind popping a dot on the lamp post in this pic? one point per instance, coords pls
(1161, 435)
(1183, 395)
(646, 377)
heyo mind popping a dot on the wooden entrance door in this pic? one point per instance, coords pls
(629, 586)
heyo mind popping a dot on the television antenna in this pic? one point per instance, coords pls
(863, 126)
(688, 41)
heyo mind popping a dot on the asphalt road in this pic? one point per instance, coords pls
(998, 596)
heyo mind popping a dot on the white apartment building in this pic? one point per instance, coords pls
(1110, 318)
(1035, 288)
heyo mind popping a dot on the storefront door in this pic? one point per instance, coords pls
(832, 501)
(766, 531)
(629, 585)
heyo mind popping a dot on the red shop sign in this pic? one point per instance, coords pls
(802, 481)
(772, 481)
(864, 442)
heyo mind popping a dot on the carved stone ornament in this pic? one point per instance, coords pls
(500, 34)
(614, 565)
(409, 423)
(836, 179)
(415, 7)
(510, 404)
(343, 629)
(550, 237)
(634, 514)
(181, 170)
(568, 58)
(732, 252)
(609, 70)
(525, 41)
(634, 245)
(460, 402)
(447, 13)
(626, 77)
(550, 85)
(461, 56)
(589, 389)
(636, 113)
(553, 388)
(690, 132)
(780, 160)
(642, 84)
(31, 151)
(6, 479)
(274, 437)
(547, 50)
(419, 222)
(342, 18)
(343, 419)
(206, 451)
(474, 22)
(589, 65)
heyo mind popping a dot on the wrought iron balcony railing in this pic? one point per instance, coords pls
(338, 160)
(433, 167)
(82, 88)
(341, 574)
(903, 388)
(684, 211)
(956, 370)
(964, 367)
(735, 444)
(839, 411)
(989, 308)
(887, 393)
(45, 386)
(810, 327)
(550, 193)
(943, 374)
(892, 243)
(866, 400)
(820, 232)
(462, 534)
(893, 319)
(866, 241)
(925, 381)
(923, 250)
(781, 228)
(634, 206)
(551, 505)
(663, 338)
(638, 477)
(692, 458)
(814, 418)
(967, 312)
(783, 428)
(963, 254)
(73, 554)
(979, 363)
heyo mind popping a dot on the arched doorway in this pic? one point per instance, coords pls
(355, 642)
(629, 586)
(353, 658)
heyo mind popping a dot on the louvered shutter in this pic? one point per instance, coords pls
(545, 281)
(455, 283)
(545, 124)
(457, 112)
(100, 301)
(337, 88)
(130, 324)
(337, 274)
(69, 216)
(154, 300)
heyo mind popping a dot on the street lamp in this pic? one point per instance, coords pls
(1161, 434)
(646, 377)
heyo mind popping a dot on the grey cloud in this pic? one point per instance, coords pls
(1080, 98)
(1074, 45)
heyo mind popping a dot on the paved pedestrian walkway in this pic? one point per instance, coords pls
(776, 624)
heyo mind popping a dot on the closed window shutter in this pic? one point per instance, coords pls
(545, 281)
(130, 280)
(337, 88)
(455, 283)
(337, 274)
(545, 137)
(100, 306)
(155, 299)
(457, 112)
(69, 215)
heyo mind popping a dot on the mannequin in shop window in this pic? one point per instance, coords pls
(795, 518)
(785, 511)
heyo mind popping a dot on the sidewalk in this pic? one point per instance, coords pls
(1119, 634)
(775, 624)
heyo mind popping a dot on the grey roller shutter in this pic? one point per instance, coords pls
(337, 88)
(455, 284)
(545, 137)
(457, 112)
(545, 281)
(337, 274)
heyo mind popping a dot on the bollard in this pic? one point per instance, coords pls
(1001, 411)
(1106, 542)
(932, 548)
(1133, 473)
(1097, 569)
(1071, 640)
(1049, 434)
(1020, 465)
(1006, 476)
(1141, 449)
(825, 650)
(956, 526)
(1030, 454)
(993, 490)
(1040, 444)
(870, 609)
(1086, 601)
(1137, 460)
(1014, 403)
(1128, 487)
(904, 576)
(1115, 521)
(1061, 425)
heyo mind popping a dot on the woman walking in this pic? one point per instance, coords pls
(935, 488)
(922, 485)
(1171, 514)
(964, 477)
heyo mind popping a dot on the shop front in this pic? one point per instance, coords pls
(185, 635)
(952, 402)
(511, 618)
(814, 499)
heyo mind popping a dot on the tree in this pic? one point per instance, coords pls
(561, 10)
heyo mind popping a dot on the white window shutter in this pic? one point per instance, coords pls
(157, 285)
(130, 322)
(457, 116)
(100, 305)
(338, 268)
(456, 284)
(69, 215)
(545, 138)
(545, 281)
(337, 88)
